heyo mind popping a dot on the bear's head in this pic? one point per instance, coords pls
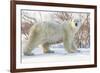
(72, 26)
(75, 25)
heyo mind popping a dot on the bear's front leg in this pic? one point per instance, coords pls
(67, 41)
(74, 47)
(68, 46)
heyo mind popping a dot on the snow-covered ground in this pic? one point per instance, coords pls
(59, 55)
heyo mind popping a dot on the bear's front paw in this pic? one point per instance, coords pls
(73, 51)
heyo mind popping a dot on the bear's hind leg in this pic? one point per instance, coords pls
(46, 48)
(28, 49)
(33, 41)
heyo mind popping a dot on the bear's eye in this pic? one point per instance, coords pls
(76, 24)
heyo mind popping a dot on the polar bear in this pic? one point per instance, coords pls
(48, 33)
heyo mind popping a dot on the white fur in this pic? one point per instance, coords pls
(47, 33)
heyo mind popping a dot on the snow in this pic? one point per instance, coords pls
(59, 55)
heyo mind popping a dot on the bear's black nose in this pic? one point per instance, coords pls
(75, 24)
